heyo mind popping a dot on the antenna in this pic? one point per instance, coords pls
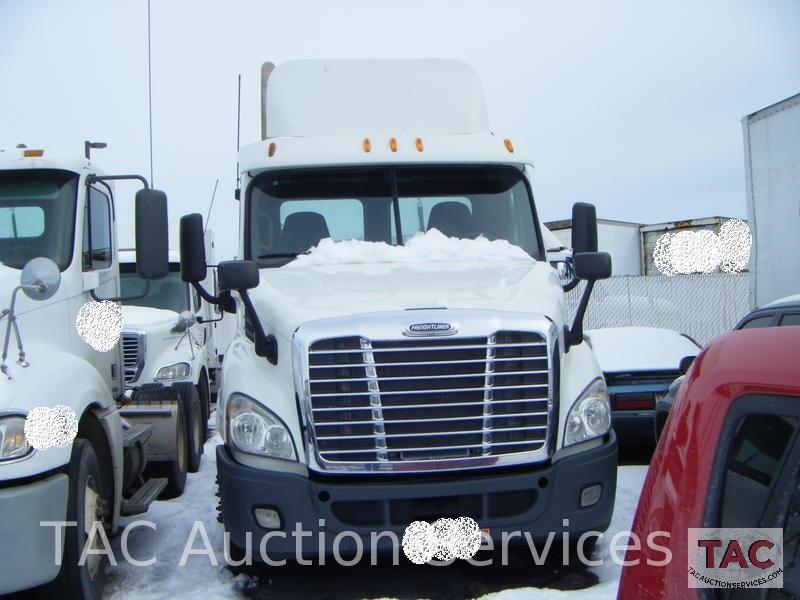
(150, 92)
(213, 195)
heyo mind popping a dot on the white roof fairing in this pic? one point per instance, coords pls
(320, 112)
(368, 97)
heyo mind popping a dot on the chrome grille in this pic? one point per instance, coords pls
(132, 355)
(428, 399)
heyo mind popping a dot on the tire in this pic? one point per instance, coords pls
(174, 470)
(85, 496)
(193, 414)
(205, 401)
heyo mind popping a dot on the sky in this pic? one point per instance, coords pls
(633, 106)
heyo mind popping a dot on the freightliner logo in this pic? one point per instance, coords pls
(422, 329)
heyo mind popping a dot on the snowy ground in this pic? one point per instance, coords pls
(200, 579)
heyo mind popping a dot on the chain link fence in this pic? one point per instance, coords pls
(702, 306)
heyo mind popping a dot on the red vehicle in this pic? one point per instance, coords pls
(729, 457)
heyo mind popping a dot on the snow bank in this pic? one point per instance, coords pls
(422, 248)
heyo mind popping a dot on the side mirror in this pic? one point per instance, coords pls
(584, 228)
(40, 278)
(193, 249)
(685, 363)
(238, 275)
(152, 234)
(592, 266)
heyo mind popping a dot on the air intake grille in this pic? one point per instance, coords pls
(132, 355)
(429, 399)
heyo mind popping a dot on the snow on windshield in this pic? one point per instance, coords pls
(424, 247)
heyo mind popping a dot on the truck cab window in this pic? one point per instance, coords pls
(754, 461)
(168, 293)
(97, 232)
(790, 319)
(762, 321)
(36, 213)
(21, 222)
(290, 212)
(467, 202)
(305, 222)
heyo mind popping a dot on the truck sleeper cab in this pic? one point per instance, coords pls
(370, 391)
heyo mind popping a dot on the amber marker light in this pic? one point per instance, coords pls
(271, 150)
(393, 144)
(367, 145)
(418, 143)
(509, 145)
(33, 153)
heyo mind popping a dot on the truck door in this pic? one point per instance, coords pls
(98, 255)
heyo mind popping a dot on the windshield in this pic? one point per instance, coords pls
(290, 212)
(37, 216)
(168, 293)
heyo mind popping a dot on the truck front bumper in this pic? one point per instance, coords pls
(535, 500)
(29, 553)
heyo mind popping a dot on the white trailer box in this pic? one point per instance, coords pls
(772, 169)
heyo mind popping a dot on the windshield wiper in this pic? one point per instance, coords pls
(283, 255)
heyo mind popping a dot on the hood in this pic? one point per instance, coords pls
(286, 298)
(636, 349)
(9, 279)
(146, 318)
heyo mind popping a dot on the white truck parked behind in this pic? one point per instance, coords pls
(58, 249)
(402, 352)
(168, 338)
(772, 164)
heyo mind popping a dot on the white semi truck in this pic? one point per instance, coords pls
(58, 251)
(369, 387)
(772, 164)
(168, 338)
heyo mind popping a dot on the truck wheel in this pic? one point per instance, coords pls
(205, 401)
(85, 505)
(174, 470)
(193, 414)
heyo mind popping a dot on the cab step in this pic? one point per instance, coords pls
(143, 497)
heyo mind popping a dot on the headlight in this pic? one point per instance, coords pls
(177, 371)
(12, 438)
(254, 429)
(590, 416)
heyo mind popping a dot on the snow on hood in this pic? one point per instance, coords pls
(288, 297)
(631, 349)
(146, 317)
(430, 246)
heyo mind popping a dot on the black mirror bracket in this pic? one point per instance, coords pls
(266, 345)
(205, 294)
(90, 179)
(574, 335)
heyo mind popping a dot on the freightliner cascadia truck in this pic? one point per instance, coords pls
(384, 371)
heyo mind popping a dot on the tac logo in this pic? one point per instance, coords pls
(735, 558)
(422, 329)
